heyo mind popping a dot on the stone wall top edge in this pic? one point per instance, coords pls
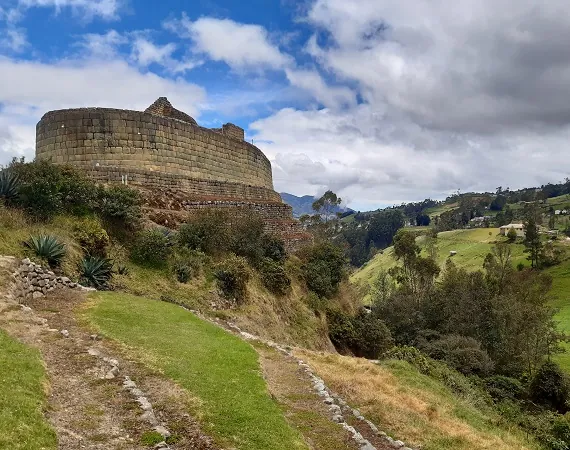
(211, 131)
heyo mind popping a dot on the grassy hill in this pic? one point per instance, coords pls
(471, 246)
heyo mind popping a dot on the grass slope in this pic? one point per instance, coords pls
(561, 299)
(471, 246)
(22, 399)
(414, 407)
(218, 369)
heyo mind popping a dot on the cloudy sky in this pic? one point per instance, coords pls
(382, 101)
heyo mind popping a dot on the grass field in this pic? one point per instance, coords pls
(471, 246)
(561, 299)
(218, 369)
(414, 407)
(22, 399)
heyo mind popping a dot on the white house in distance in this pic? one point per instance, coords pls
(518, 227)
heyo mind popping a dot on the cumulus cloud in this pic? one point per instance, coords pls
(241, 46)
(145, 53)
(481, 66)
(312, 82)
(110, 83)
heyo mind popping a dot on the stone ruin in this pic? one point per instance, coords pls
(167, 155)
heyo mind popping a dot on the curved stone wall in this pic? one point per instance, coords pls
(141, 148)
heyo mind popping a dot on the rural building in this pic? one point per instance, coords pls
(518, 227)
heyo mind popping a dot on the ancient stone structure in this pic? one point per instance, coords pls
(163, 149)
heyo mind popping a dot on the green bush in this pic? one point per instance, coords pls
(182, 271)
(274, 248)
(151, 248)
(247, 238)
(120, 204)
(323, 268)
(512, 235)
(371, 338)
(232, 276)
(274, 277)
(9, 185)
(208, 232)
(341, 329)
(91, 236)
(504, 388)
(413, 356)
(48, 189)
(96, 271)
(462, 353)
(549, 387)
(48, 248)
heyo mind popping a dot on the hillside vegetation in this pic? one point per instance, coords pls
(219, 370)
(471, 245)
(415, 407)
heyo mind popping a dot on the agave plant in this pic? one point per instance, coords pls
(96, 271)
(47, 247)
(9, 185)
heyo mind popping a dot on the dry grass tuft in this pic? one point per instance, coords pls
(413, 407)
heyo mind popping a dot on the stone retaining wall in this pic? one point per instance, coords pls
(33, 281)
(129, 140)
(193, 187)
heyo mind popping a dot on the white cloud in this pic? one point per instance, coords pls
(103, 46)
(86, 9)
(14, 40)
(145, 53)
(312, 82)
(241, 46)
(77, 83)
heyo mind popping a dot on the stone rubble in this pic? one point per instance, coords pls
(32, 281)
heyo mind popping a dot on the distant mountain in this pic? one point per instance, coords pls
(303, 205)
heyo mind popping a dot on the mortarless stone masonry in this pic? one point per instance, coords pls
(165, 149)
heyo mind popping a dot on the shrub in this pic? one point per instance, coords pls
(208, 232)
(48, 189)
(48, 248)
(504, 388)
(151, 248)
(341, 329)
(120, 204)
(549, 387)
(512, 235)
(462, 353)
(96, 271)
(183, 272)
(232, 276)
(247, 239)
(274, 277)
(274, 248)
(323, 268)
(187, 264)
(411, 355)
(9, 185)
(371, 338)
(92, 237)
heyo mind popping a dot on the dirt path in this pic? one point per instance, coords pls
(304, 409)
(89, 406)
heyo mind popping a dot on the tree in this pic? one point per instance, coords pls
(327, 204)
(532, 241)
(512, 235)
(423, 220)
(384, 225)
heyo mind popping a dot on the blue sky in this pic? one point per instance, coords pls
(383, 101)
